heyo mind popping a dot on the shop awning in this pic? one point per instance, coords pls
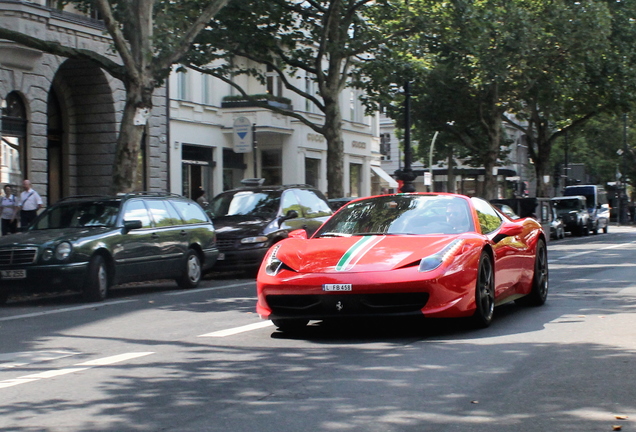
(385, 176)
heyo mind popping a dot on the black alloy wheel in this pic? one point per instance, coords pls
(484, 293)
(98, 281)
(539, 292)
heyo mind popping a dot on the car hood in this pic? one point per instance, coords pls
(234, 226)
(359, 253)
(38, 237)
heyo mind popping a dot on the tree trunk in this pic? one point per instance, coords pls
(335, 146)
(131, 132)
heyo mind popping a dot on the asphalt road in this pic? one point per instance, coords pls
(155, 358)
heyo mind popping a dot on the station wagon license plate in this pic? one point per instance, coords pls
(337, 287)
(13, 274)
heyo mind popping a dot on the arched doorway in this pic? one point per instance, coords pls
(82, 131)
(13, 153)
(55, 134)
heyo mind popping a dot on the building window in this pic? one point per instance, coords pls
(13, 137)
(355, 179)
(206, 89)
(274, 82)
(182, 86)
(312, 171)
(385, 146)
(272, 166)
(309, 89)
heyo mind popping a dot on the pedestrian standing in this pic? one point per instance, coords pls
(9, 211)
(30, 203)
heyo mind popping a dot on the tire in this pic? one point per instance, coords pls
(484, 293)
(98, 280)
(192, 272)
(290, 325)
(605, 228)
(539, 292)
(595, 228)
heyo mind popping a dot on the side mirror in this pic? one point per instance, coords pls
(132, 224)
(291, 214)
(298, 234)
(507, 230)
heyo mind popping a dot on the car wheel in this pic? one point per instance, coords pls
(290, 325)
(97, 283)
(605, 229)
(191, 275)
(595, 229)
(539, 291)
(484, 293)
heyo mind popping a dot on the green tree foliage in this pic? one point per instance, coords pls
(316, 40)
(148, 36)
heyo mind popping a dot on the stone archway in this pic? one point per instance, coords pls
(82, 131)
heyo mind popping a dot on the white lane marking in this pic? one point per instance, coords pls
(614, 246)
(11, 360)
(69, 309)
(193, 291)
(237, 330)
(114, 302)
(65, 371)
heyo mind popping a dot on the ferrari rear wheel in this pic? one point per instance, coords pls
(290, 325)
(539, 292)
(484, 292)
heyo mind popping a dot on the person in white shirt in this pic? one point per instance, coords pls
(30, 203)
(9, 207)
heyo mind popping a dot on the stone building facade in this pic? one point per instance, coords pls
(60, 117)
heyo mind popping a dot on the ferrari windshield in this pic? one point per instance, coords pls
(246, 203)
(78, 215)
(401, 214)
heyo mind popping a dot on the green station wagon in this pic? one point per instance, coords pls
(91, 243)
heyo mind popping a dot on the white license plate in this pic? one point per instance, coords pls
(13, 274)
(221, 257)
(337, 287)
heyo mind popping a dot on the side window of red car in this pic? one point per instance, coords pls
(489, 219)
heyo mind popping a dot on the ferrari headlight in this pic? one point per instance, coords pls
(250, 240)
(273, 264)
(63, 250)
(431, 262)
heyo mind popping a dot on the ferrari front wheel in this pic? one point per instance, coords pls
(539, 291)
(484, 293)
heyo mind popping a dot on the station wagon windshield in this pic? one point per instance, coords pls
(246, 203)
(79, 215)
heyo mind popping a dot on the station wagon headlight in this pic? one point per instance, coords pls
(251, 240)
(63, 250)
(431, 262)
(47, 254)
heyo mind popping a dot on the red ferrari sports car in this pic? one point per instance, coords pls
(439, 255)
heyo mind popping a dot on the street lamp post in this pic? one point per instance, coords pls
(430, 160)
(407, 175)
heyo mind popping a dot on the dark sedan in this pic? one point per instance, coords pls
(91, 243)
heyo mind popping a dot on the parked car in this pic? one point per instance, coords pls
(436, 255)
(336, 203)
(573, 211)
(507, 210)
(540, 209)
(557, 227)
(596, 203)
(249, 220)
(91, 243)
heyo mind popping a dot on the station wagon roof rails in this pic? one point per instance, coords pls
(149, 194)
(83, 197)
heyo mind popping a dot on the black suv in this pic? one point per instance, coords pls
(573, 211)
(92, 242)
(248, 220)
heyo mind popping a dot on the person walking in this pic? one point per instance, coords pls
(30, 203)
(9, 211)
